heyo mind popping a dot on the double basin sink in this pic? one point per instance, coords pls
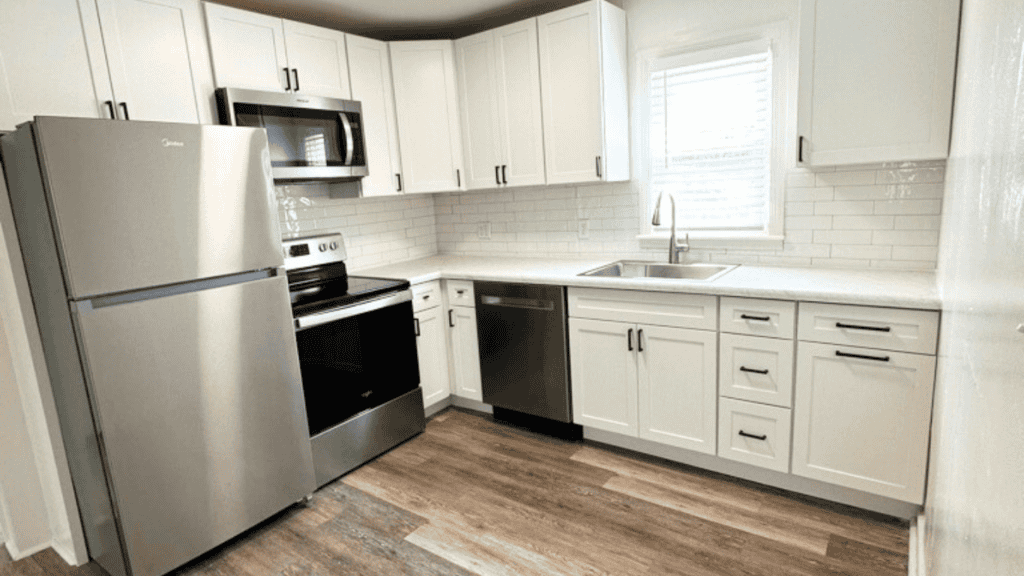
(641, 269)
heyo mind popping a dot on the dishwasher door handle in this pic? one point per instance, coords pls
(512, 302)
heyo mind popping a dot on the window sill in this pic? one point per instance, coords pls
(712, 240)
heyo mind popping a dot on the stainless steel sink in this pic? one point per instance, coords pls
(640, 269)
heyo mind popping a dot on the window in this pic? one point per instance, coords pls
(713, 128)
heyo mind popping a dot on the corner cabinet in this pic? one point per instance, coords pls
(499, 97)
(427, 108)
(876, 80)
(260, 52)
(369, 68)
(583, 92)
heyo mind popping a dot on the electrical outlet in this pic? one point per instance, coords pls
(584, 230)
(483, 230)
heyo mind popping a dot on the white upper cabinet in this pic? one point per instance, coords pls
(583, 88)
(876, 80)
(261, 52)
(370, 72)
(158, 58)
(428, 115)
(499, 94)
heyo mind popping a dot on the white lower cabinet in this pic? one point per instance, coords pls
(604, 370)
(862, 418)
(465, 348)
(432, 351)
(754, 434)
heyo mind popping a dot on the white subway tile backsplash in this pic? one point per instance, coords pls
(842, 236)
(843, 207)
(871, 252)
(907, 237)
(846, 178)
(917, 222)
(862, 222)
(916, 207)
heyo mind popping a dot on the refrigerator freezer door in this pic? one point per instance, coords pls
(142, 204)
(199, 397)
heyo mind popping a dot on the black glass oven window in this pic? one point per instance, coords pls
(357, 363)
(297, 136)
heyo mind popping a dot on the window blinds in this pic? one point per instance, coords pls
(710, 127)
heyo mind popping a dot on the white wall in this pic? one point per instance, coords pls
(975, 502)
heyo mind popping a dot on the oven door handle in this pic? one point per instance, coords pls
(303, 322)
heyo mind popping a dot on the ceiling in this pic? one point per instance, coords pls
(404, 19)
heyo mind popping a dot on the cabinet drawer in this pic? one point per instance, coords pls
(656, 308)
(460, 292)
(775, 318)
(754, 434)
(885, 328)
(756, 369)
(426, 295)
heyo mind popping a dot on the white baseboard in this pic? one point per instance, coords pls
(17, 553)
(472, 405)
(437, 406)
(916, 565)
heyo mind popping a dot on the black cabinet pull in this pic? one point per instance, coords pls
(754, 436)
(856, 327)
(399, 176)
(800, 150)
(504, 180)
(640, 340)
(287, 80)
(597, 163)
(629, 340)
(124, 108)
(862, 356)
(497, 177)
(758, 318)
(458, 178)
(451, 321)
(110, 107)
(296, 72)
(754, 370)
(416, 322)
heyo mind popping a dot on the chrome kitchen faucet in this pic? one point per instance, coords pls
(674, 246)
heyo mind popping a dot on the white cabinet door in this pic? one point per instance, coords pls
(465, 353)
(247, 49)
(478, 99)
(519, 105)
(318, 61)
(51, 61)
(158, 59)
(876, 79)
(432, 351)
(583, 88)
(370, 71)
(604, 371)
(863, 422)
(428, 115)
(678, 391)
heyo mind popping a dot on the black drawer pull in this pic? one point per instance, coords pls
(862, 356)
(758, 318)
(754, 436)
(451, 321)
(640, 340)
(416, 321)
(754, 370)
(629, 340)
(856, 327)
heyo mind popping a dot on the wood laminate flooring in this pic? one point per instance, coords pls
(471, 496)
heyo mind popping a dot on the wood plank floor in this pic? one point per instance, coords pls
(472, 496)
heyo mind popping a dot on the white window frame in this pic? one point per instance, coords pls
(779, 37)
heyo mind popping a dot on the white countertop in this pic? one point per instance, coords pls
(861, 286)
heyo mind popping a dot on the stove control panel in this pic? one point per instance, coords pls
(313, 251)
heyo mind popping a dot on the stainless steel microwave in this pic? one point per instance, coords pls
(311, 138)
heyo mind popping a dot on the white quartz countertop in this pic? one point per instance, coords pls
(891, 288)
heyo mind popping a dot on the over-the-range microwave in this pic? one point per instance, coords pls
(311, 138)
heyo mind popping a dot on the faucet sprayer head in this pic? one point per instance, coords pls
(656, 221)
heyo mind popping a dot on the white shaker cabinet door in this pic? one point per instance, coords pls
(519, 104)
(432, 351)
(678, 387)
(465, 353)
(317, 58)
(158, 58)
(370, 72)
(478, 99)
(247, 49)
(51, 61)
(602, 355)
(428, 115)
(861, 418)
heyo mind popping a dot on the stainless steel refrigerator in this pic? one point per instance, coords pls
(153, 254)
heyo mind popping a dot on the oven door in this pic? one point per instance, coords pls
(355, 358)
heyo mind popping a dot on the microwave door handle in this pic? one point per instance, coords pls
(349, 141)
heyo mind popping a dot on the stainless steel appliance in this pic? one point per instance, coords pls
(357, 350)
(524, 364)
(153, 256)
(311, 138)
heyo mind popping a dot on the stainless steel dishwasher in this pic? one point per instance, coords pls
(521, 329)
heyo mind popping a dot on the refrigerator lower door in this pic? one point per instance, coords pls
(199, 399)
